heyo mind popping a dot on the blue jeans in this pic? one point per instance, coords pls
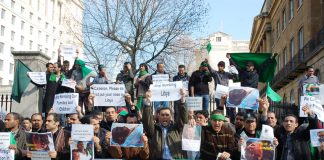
(158, 104)
(205, 99)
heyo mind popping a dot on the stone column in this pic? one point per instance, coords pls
(32, 99)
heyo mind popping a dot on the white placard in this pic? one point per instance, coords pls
(267, 132)
(321, 94)
(108, 94)
(194, 103)
(40, 155)
(3, 113)
(314, 104)
(65, 103)
(159, 78)
(5, 152)
(82, 132)
(166, 91)
(37, 77)
(68, 51)
(221, 90)
(191, 137)
(70, 83)
(185, 85)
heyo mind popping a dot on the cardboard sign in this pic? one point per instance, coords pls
(243, 97)
(194, 103)
(38, 77)
(191, 137)
(126, 135)
(159, 78)
(221, 90)
(166, 91)
(108, 94)
(5, 152)
(66, 103)
(82, 132)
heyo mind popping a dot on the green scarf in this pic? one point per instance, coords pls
(139, 103)
(53, 77)
(85, 71)
(142, 73)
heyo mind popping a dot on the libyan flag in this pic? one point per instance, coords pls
(21, 81)
(264, 64)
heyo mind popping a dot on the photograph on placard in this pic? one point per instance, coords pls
(126, 135)
(317, 137)
(258, 149)
(39, 141)
(311, 89)
(243, 97)
(191, 138)
(82, 150)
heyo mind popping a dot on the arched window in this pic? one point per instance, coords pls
(292, 96)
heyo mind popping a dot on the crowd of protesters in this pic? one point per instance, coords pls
(163, 125)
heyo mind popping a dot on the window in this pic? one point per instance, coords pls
(3, 13)
(301, 38)
(292, 96)
(31, 15)
(11, 68)
(54, 29)
(1, 47)
(54, 41)
(0, 81)
(10, 82)
(22, 25)
(12, 35)
(46, 50)
(278, 29)
(284, 22)
(1, 65)
(39, 20)
(46, 39)
(285, 56)
(39, 47)
(22, 38)
(218, 39)
(38, 5)
(2, 30)
(291, 9)
(300, 2)
(30, 44)
(31, 30)
(39, 34)
(46, 25)
(61, 33)
(13, 4)
(292, 48)
(12, 48)
(13, 19)
(22, 10)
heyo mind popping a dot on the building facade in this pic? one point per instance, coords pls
(37, 25)
(295, 30)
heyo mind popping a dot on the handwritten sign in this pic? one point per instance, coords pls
(220, 91)
(108, 94)
(66, 103)
(70, 83)
(68, 50)
(82, 132)
(166, 91)
(159, 78)
(5, 152)
(314, 105)
(37, 77)
(194, 103)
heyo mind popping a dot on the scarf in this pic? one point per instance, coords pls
(53, 77)
(142, 73)
(84, 70)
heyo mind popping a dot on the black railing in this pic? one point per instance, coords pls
(299, 60)
(6, 102)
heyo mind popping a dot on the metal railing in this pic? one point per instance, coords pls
(5, 102)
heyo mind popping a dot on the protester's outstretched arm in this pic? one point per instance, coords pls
(233, 63)
(183, 116)
(312, 122)
(209, 67)
(263, 109)
(145, 152)
(114, 151)
(147, 117)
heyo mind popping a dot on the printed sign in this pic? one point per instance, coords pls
(166, 91)
(82, 132)
(70, 83)
(37, 77)
(159, 78)
(255, 148)
(191, 137)
(243, 97)
(220, 91)
(108, 94)
(194, 103)
(317, 137)
(5, 152)
(126, 135)
(66, 103)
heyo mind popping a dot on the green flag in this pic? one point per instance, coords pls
(21, 81)
(272, 94)
(139, 103)
(266, 70)
(209, 47)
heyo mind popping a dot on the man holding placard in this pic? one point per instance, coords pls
(164, 130)
(308, 78)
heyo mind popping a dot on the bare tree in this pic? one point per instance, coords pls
(137, 30)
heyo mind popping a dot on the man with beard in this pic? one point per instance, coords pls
(164, 135)
(37, 123)
(126, 77)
